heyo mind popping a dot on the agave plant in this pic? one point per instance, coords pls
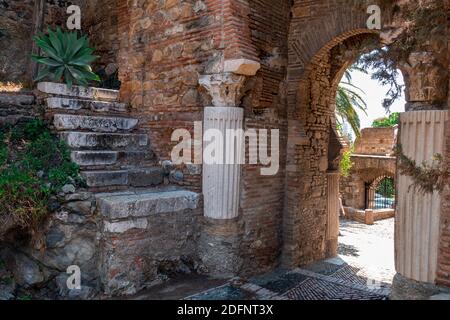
(65, 56)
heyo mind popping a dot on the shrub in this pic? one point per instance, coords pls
(392, 120)
(65, 56)
(346, 163)
(34, 166)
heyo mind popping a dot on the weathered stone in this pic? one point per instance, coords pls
(75, 104)
(16, 99)
(78, 91)
(94, 158)
(134, 177)
(68, 188)
(53, 237)
(104, 140)
(145, 177)
(105, 178)
(95, 124)
(242, 66)
(124, 226)
(83, 207)
(107, 158)
(26, 271)
(146, 204)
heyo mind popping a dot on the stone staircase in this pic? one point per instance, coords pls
(132, 201)
(105, 142)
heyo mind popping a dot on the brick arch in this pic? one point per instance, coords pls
(311, 84)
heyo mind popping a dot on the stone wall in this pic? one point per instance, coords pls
(16, 107)
(376, 141)
(99, 22)
(16, 18)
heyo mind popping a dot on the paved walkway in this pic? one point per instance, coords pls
(363, 271)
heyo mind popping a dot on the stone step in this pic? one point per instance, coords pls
(93, 105)
(111, 158)
(105, 141)
(140, 177)
(93, 123)
(61, 89)
(145, 203)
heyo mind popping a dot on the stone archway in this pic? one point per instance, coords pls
(315, 69)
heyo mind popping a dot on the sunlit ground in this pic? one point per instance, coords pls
(369, 247)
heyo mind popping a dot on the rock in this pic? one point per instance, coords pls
(82, 207)
(68, 188)
(53, 237)
(176, 176)
(84, 293)
(111, 68)
(26, 271)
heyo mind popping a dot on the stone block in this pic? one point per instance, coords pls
(95, 124)
(78, 91)
(90, 140)
(146, 204)
(76, 104)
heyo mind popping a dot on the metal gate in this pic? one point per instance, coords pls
(381, 195)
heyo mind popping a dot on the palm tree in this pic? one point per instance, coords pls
(348, 101)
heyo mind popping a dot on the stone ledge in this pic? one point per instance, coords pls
(16, 99)
(93, 123)
(78, 91)
(134, 204)
(93, 140)
(75, 104)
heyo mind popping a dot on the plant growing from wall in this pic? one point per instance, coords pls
(423, 20)
(427, 177)
(65, 56)
(34, 166)
(346, 163)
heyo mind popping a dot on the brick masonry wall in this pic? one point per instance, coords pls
(376, 141)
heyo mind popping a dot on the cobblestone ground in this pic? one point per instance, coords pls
(363, 271)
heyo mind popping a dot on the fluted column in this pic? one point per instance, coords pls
(332, 212)
(221, 180)
(422, 135)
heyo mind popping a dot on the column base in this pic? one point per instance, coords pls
(407, 289)
(219, 247)
(332, 248)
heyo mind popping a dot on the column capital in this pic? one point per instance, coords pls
(225, 89)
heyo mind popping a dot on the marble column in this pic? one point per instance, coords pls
(422, 135)
(221, 180)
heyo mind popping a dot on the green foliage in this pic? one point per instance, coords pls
(348, 101)
(65, 56)
(392, 120)
(427, 177)
(422, 22)
(346, 163)
(386, 188)
(34, 165)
